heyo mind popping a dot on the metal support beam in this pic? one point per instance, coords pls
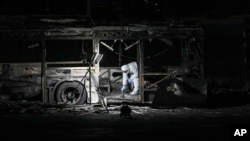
(133, 44)
(97, 50)
(140, 60)
(43, 78)
(96, 67)
(107, 46)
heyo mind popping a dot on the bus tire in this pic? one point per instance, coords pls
(72, 93)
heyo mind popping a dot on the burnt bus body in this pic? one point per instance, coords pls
(22, 73)
(20, 81)
(179, 63)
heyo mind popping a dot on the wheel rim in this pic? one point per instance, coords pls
(71, 95)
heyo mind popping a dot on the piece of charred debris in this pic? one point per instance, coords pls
(123, 95)
(125, 111)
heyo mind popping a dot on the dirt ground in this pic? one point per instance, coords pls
(25, 120)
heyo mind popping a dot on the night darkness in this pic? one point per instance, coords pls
(114, 9)
(224, 23)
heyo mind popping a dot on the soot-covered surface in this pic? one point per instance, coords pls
(25, 120)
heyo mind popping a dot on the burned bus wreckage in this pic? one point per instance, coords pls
(65, 60)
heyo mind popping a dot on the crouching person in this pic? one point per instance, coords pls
(130, 77)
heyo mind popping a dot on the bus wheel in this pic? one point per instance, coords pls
(72, 93)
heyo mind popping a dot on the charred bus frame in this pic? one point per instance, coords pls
(137, 33)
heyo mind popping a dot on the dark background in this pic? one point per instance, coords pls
(118, 9)
(223, 43)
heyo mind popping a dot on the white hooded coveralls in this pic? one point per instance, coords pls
(131, 69)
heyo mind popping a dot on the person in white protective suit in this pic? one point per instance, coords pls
(130, 76)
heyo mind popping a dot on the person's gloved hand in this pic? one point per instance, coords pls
(129, 80)
(123, 88)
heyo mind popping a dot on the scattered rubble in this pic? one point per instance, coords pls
(27, 107)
